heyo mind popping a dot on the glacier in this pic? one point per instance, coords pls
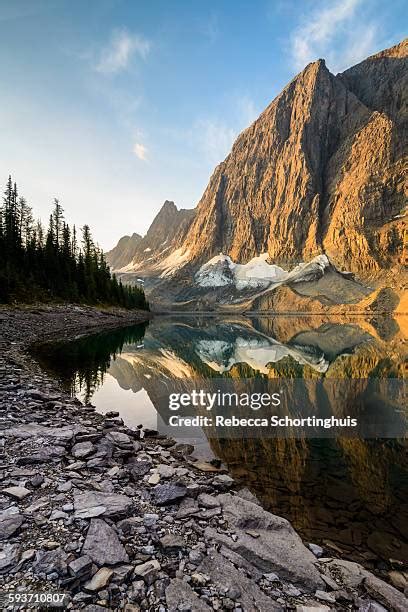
(221, 271)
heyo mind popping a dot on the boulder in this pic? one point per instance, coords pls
(9, 556)
(102, 544)
(350, 573)
(10, 522)
(165, 494)
(226, 576)
(34, 431)
(393, 600)
(91, 504)
(17, 492)
(118, 438)
(278, 549)
(180, 596)
(82, 449)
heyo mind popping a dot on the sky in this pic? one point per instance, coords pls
(114, 106)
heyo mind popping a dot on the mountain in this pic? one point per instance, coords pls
(123, 252)
(168, 229)
(321, 172)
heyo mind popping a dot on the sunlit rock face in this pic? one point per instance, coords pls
(320, 173)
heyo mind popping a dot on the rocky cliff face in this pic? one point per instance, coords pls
(165, 234)
(123, 252)
(321, 170)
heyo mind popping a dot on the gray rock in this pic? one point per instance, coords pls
(137, 591)
(180, 596)
(17, 492)
(148, 571)
(91, 504)
(165, 471)
(169, 493)
(172, 541)
(154, 479)
(371, 606)
(64, 487)
(351, 574)
(312, 608)
(188, 507)
(102, 544)
(208, 501)
(9, 555)
(50, 561)
(44, 455)
(33, 431)
(324, 596)
(118, 438)
(386, 594)
(138, 469)
(122, 572)
(226, 577)
(316, 550)
(223, 481)
(150, 520)
(278, 549)
(56, 515)
(195, 556)
(10, 522)
(37, 480)
(82, 449)
(82, 566)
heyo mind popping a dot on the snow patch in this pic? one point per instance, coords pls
(221, 271)
(173, 262)
(221, 356)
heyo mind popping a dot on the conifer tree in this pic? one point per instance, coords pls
(51, 265)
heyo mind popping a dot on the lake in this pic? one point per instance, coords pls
(349, 493)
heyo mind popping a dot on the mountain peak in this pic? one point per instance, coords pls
(169, 206)
(320, 171)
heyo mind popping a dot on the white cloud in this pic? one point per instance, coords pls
(140, 151)
(118, 54)
(364, 44)
(337, 33)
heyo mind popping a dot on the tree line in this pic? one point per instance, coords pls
(54, 263)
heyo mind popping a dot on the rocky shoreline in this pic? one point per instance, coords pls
(124, 519)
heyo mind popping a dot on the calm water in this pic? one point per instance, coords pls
(348, 493)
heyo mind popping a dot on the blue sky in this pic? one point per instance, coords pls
(116, 105)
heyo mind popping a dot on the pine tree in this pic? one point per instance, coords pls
(52, 265)
(58, 221)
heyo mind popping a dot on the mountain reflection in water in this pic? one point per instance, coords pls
(346, 492)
